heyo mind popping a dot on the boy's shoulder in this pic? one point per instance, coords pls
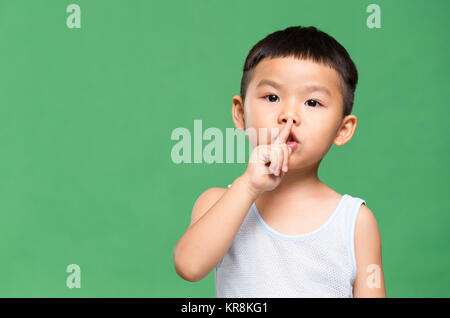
(205, 201)
(211, 194)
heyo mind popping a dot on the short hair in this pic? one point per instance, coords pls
(307, 43)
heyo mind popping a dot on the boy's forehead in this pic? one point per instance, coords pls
(292, 72)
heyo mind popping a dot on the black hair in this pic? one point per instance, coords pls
(307, 43)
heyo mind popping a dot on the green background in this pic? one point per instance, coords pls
(86, 117)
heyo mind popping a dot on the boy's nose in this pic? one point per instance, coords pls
(285, 119)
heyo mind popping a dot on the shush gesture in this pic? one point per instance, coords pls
(268, 163)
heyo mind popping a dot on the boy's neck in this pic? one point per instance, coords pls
(301, 185)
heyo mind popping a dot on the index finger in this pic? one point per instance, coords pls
(284, 133)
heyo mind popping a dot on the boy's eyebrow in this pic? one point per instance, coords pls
(268, 82)
(310, 87)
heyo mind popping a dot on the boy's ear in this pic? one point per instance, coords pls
(238, 112)
(346, 130)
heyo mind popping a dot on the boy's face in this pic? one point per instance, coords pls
(305, 91)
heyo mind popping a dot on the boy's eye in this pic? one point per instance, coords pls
(310, 102)
(270, 95)
(313, 103)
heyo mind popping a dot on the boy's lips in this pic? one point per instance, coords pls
(292, 144)
(292, 141)
(292, 137)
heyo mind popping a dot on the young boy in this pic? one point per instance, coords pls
(278, 231)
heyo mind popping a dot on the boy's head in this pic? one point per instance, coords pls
(306, 43)
(315, 80)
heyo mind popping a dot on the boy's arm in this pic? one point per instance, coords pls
(216, 218)
(369, 281)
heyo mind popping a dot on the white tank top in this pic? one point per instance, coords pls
(263, 263)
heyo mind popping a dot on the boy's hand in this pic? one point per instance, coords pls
(259, 174)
